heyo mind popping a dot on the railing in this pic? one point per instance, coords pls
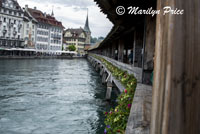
(129, 68)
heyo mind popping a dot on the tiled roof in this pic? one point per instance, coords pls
(41, 17)
(75, 32)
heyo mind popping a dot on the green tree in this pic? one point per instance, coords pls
(72, 47)
(93, 40)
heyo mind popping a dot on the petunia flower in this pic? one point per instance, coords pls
(105, 131)
(125, 91)
(129, 105)
(118, 130)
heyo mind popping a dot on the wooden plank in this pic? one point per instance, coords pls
(176, 88)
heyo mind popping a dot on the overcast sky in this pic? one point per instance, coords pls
(73, 13)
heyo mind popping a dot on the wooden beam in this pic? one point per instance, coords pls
(176, 88)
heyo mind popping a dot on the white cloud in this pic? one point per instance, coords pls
(73, 13)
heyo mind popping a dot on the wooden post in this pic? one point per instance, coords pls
(134, 50)
(97, 67)
(101, 71)
(176, 87)
(109, 88)
(113, 50)
(120, 50)
(104, 76)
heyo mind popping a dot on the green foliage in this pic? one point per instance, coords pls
(117, 118)
(95, 40)
(72, 47)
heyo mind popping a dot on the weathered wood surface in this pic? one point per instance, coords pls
(176, 88)
(149, 41)
(140, 114)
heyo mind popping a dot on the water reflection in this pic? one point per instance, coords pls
(50, 97)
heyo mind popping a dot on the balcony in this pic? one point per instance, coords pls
(14, 33)
(4, 31)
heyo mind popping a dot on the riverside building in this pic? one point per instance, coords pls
(79, 37)
(30, 28)
(75, 37)
(11, 24)
(48, 34)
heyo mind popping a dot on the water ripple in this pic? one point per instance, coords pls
(50, 97)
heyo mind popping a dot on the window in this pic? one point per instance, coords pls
(14, 21)
(27, 25)
(33, 26)
(4, 20)
(33, 33)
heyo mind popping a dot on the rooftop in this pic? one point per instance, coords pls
(44, 18)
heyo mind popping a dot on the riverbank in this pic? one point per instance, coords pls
(42, 57)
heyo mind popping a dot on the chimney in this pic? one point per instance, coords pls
(45, 14)
(26, 6)
(35, 8)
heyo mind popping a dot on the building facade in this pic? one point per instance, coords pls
(30, 28)
(49, 33)
(75, 37)
(56, 32)
(79, 37)
(11, 24)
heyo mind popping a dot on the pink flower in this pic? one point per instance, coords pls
(125, 91)
(110, 112)
(129, 105)
(106, 113)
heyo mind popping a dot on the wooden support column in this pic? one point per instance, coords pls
(113, 50)
(97, 67)
(109, 88)
(138, 46)
(121, 50)
(101, 71)
(104, 76)
(176, 87)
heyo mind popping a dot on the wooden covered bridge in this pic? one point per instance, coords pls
(167, 45)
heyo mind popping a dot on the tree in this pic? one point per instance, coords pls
(101, 38)
(93, 40)
(72, 47)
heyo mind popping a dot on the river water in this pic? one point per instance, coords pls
(52, 96)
